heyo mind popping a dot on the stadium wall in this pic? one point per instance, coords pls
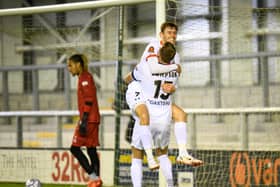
(50, 166)
(227, 168)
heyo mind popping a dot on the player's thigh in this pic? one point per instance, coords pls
(134, 95)
(137, 153)
(178, 114)
(142, 112)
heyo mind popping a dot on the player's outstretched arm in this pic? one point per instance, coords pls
(156, 67)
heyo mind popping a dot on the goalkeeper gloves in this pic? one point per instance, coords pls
(83, 124)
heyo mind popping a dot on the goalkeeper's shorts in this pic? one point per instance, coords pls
(90, 140)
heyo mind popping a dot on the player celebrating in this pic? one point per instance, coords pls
(168, 34)
(86, 132)
(159, 105)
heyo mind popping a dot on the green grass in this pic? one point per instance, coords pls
(43, 185)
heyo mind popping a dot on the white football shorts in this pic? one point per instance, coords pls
(160, 134)
(134, 95)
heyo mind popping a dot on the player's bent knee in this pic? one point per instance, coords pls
(144, 119)
(178, 114)
(182, 116)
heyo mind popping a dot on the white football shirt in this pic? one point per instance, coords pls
(158, 102)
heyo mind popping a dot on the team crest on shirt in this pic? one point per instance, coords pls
(85, 83)
(151, 49)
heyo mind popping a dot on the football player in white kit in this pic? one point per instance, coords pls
(159, 103)
(168, 34)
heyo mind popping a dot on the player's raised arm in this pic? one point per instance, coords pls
(156, 67)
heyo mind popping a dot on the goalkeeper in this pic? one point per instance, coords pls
(86, 132)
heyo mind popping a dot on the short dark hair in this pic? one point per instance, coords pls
(77, 58)
(167, 52)
(168, 24)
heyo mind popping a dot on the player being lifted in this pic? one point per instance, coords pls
(158, 103)
(168, 34)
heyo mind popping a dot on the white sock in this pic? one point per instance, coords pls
(93, 176)
(166, 168)
(136, 172)
(180, 130)
(147, 141)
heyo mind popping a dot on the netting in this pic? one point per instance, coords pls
(230, 57)
(222, 46)
(222, 168)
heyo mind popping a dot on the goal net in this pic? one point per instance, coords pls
(229, 54)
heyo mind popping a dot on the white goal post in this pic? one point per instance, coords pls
(160, 8)
(69, 7)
